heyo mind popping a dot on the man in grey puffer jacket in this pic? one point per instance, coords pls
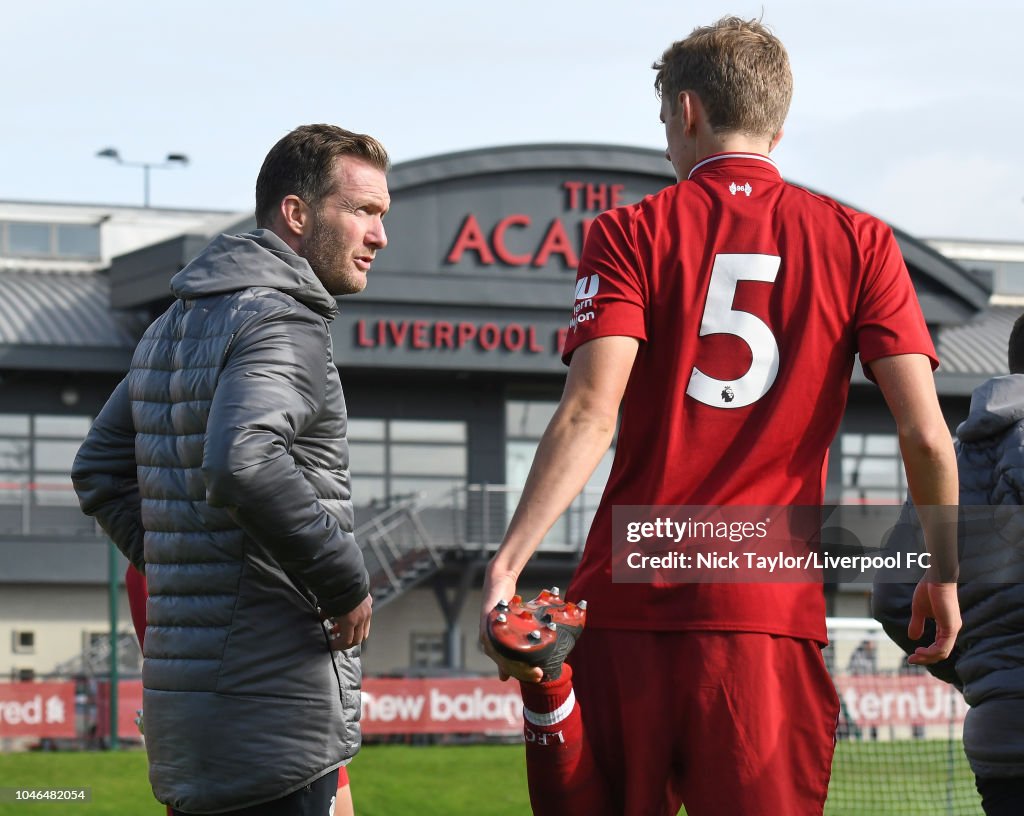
(989, 660)
(219, 466)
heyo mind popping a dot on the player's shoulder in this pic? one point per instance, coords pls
(614, 226)
(670, 197)
(652, 208)
(864, 226)
(623, 214)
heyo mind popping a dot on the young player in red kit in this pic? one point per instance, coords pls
(723, 315)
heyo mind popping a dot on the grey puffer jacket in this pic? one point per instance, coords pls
(989, 655)
(219, 466)
(990, 457)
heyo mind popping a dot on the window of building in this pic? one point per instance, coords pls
(427, 460)
(36, 454)
(368, 457)
(25, 239)
(24, 641)
(75, 427)
(54, 455)
(14, 425)
(367, 429)
(24, 675)
(15, 454)
(872, 469)
(1007, 278)
(92, 641)
(525, 422)
(78, 241)
(28, 239)
(527, 419)
(391, 459)
(426, 650)
(403, 430)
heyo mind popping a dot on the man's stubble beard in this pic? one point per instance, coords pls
(330, 261)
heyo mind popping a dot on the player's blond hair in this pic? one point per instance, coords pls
(740, 71)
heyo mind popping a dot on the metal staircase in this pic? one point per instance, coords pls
(414, 537)
(398, 551)
(95, 660)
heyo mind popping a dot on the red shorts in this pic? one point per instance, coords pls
(727, 723)
(135, 584)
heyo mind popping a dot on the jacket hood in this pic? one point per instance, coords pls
(257, 258)
(995, 406)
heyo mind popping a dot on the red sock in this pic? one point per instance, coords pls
(559, 764)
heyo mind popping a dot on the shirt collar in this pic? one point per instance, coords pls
(720, 157)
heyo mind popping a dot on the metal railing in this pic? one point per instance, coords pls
(94, 660)
(398, 549)
(470, 518)
(404, 541)
(488, 508)
(467, 516)
(43, 508)
(410, 539)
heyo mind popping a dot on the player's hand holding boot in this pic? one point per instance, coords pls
(524, 637)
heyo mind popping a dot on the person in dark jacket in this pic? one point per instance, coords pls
(989, 659)
(219, 466)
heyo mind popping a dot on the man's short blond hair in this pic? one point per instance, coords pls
(740, 71)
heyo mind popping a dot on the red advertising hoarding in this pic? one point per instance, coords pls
(441, 706)
(390, 706)
(912, 699)
(461, 705)
(129, 700)
(37, 710)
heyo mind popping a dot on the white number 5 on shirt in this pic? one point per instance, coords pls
(721, 318)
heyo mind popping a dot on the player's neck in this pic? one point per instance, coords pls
(709, 143)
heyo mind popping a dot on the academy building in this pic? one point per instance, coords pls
(450, 364)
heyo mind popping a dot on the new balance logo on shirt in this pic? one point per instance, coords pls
(587, 287)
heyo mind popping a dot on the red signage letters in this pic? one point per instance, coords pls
(420, 335)
(556, 241)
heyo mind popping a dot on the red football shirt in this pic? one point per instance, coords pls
(751, 298)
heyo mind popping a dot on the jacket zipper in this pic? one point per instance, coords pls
(227, 348)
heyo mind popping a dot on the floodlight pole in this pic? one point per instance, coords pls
(112, 577)
(172, 160)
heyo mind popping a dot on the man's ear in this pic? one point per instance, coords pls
(776, 139)
(294, 215)
(689, 109)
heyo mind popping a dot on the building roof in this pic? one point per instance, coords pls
(33, 560)
(63, 321)
(517, 158)
(91, 317)
(120, 229)
(436, 186)
(978, 347)
(947, 293)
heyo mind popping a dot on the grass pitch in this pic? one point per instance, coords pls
(391, 780)
(902, 778)
(877, 778)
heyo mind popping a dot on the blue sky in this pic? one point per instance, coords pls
(911, 110)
